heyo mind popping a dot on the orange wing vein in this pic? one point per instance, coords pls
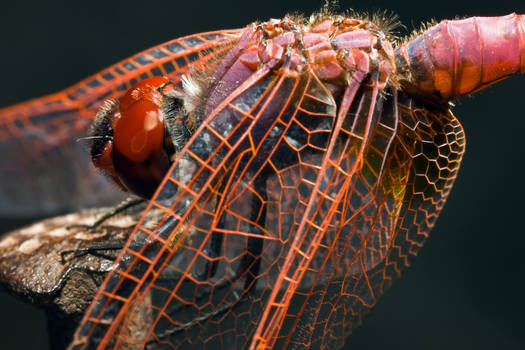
(283, 220)
(39, 136)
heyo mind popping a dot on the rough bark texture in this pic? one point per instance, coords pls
(32, 268)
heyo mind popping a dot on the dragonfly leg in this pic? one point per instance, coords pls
(251, 261)
(215, 246)
(126, 204)
(250, 264)
(93, 250)
(96, 250)
(217, 239)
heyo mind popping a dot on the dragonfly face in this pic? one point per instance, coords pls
(131, 142)
(369, 260)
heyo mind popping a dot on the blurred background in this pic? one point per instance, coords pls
(464, 291)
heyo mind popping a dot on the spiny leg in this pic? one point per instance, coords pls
(251, 261)
(121, 207)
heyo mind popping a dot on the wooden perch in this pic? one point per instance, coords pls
(32, 268)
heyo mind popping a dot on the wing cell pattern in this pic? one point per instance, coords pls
(376, 244)
(241, 189)
(230, 183)
(286, 216)
(48, 170)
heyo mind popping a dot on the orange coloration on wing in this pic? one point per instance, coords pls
(291, 208)
(310, 180)
(40, 136)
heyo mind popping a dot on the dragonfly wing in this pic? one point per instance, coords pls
(368, 249)
(44, 169)
(207, 270)
(352, 151)
(280, 196)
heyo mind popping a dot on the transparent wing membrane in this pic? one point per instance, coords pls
(306, 182)
(44, 168)
(285, 217)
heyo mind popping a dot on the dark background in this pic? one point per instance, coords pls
(464, 291)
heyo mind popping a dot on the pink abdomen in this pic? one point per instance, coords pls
(459, 57)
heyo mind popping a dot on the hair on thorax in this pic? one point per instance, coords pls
(197, 82)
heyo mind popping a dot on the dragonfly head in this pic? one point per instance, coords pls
(131, 139)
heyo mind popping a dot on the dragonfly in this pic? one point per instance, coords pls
(366, 264)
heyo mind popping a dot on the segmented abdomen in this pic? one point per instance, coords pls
(459, 57)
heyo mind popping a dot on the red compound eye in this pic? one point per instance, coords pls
(141, 144)
(139, 130)
(130, 141)
(142, 90)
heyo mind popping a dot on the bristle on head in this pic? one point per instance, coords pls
(192, 92)
(101, 126)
